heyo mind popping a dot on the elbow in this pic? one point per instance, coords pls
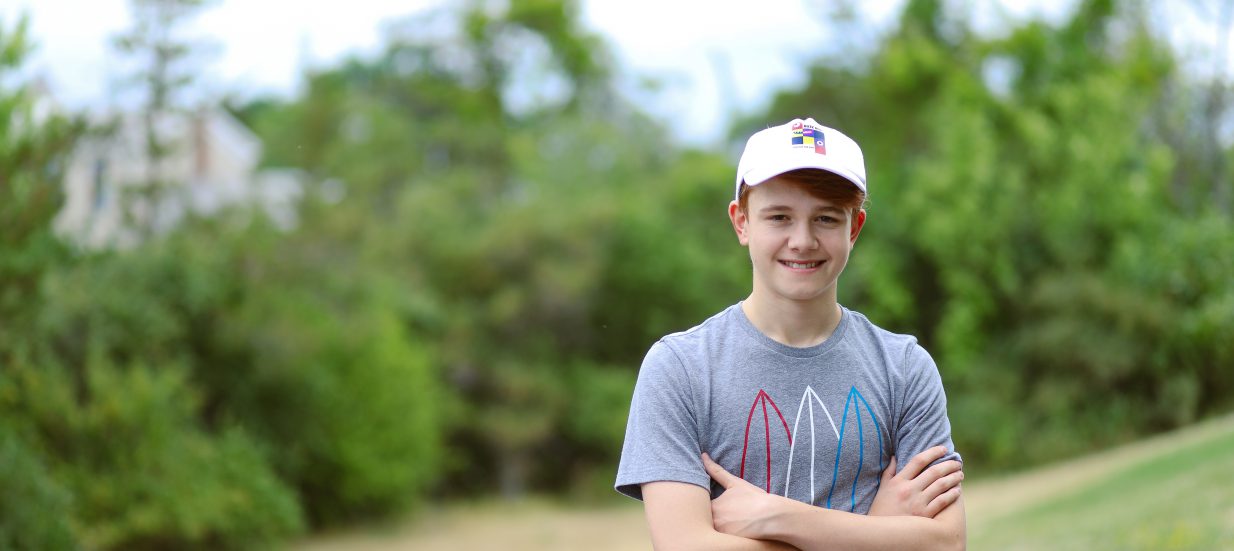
(679, 541)
(950, 530)
(951, 540)
(943, 537)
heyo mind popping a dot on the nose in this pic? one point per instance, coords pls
(802, 238)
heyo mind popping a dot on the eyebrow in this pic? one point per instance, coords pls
(782, 208)
(775, 208)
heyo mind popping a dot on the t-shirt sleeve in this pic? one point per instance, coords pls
(923, 421)
(662, 433)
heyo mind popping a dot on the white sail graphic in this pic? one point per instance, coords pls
(808, 397)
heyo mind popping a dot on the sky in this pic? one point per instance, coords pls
(710, 58)
(706, 65)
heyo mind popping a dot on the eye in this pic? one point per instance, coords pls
(778, 218)
(828, 219)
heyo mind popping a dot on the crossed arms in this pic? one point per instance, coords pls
(919, 508)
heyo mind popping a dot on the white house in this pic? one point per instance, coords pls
(211, 163)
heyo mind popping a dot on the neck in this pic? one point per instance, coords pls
(794, 323)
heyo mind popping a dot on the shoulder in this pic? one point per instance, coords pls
(679, 362)
(900, 351)
(702, 339)
(868, 331)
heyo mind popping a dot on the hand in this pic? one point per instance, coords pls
(918, 490)
(743, 507)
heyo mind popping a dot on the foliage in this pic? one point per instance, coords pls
(1029, 232)
(318, 369)
(34, 509)
(32, 159)
(142, 473)
(131, 378)
(325, 370)
(491, 237)
(511, 225)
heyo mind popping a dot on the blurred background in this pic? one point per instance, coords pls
(380, 275)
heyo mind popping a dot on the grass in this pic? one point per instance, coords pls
(1179, 498)
(1172, 492)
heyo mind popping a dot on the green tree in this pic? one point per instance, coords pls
(95, 456)
(542, 234)
(33, 153)
(165, 73)
(34, 510)
(1024, 225)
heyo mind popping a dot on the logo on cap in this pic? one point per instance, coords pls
(808, 136)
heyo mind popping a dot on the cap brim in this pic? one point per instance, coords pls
(755, 177)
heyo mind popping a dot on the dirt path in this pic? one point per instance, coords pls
(546, 526)
(523, 526)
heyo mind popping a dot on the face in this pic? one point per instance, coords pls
(799, 244)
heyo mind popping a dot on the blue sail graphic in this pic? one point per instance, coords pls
(854, 402)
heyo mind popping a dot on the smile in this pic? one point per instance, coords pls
(802, 265)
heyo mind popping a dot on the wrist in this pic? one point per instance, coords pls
(777, 521)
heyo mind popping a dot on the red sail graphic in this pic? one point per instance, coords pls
(763, 399)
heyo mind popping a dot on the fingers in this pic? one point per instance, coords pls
(890, 471)
(718, 473)
(922, 460)
(938, 471)
(943, 501)
(943, 485)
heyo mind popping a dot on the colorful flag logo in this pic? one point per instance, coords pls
(810, 137)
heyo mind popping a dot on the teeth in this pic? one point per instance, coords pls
(801, 265)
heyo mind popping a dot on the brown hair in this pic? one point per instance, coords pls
(820, 184)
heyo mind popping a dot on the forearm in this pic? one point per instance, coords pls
(679, 518)
(813, 528)
(710, 540)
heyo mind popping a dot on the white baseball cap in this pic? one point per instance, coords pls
(798, 144)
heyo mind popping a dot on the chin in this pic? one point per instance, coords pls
(812, 295)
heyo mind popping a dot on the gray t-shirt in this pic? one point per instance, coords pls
(815, 424)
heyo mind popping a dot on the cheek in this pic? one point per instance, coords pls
(765, 241)
(838, 244)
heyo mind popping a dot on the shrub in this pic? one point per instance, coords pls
(34, 508)
(143, 473)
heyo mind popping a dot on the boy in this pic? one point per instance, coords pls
(805, 406)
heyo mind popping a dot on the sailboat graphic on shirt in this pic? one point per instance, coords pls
(804, 447)
(808, 399)
(763, 399)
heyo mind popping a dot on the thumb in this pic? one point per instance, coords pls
(890, 471)
(725, 478)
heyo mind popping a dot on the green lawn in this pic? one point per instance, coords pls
(1182, 498)
(1171, 492)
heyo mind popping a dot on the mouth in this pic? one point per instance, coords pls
(801, 265)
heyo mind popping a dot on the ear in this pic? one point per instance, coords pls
(740, 222)
(854, 229)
